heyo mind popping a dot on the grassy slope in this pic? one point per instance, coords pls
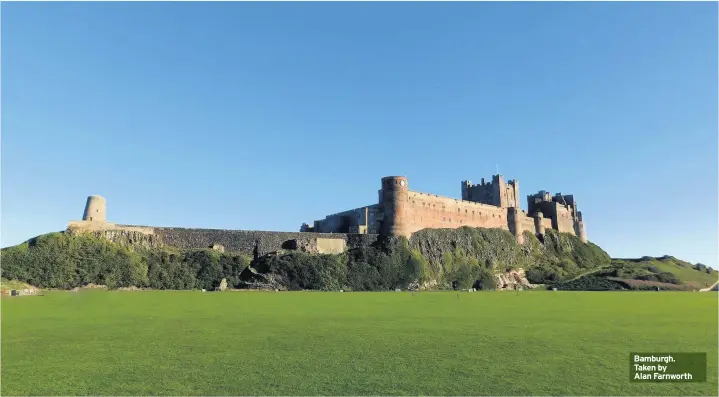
(687, 275)
(684, 271)
(559, 256)
(13, 284)
(254, 343)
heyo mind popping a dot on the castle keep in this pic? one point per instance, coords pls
(401, 212)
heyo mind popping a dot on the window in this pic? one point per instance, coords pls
(444, 219)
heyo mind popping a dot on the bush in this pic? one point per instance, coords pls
(701, 267)
(64, 261)
(666, 277)
(543, 275)
(535, 276)
(485, 281)
(590, 283)
(302, 271)
(57, 260)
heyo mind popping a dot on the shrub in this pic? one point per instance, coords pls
(58, 260)
(666, 277)
(485, 280)
(61, 260)
(590, 283)
(426, 271)
(701, 267)
(535, 276)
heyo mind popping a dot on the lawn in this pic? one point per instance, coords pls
(317, 343)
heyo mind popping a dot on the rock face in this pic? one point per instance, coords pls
(21, 292)
(130, 288)
(512, 280)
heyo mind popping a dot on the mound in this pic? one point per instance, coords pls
(7, 286)
(66, 261)
(439, 259)
(431, 259)
(663, 272)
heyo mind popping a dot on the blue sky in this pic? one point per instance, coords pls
(267, 115)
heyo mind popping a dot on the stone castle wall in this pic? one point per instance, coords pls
(239, 241)
(244, 240)
(402, 212)
(363, 218)
(429, 211)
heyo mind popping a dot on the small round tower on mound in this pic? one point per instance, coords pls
(95, 209)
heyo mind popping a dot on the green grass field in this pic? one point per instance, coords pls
(305, 343)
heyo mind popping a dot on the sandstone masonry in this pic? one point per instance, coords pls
(401, 212)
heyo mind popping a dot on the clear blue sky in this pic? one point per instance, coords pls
(265, 116)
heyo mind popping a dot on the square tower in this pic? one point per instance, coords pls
(497, 193)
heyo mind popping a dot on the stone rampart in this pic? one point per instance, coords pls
(240, 241)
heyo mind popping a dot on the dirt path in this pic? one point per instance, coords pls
(709, 288)
(588, 272)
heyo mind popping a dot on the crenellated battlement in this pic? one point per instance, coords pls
(497, 192)
(561, 209)
(494, 204)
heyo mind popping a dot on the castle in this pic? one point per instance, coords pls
(401, 212)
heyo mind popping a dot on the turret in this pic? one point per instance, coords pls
(514, 218)
(393, 201)
(95, 209)
(538, 223)
(467, 190)
(94, 216)
(579, 228)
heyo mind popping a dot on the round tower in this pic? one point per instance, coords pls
(394, 196)
(581, 233)
(538, 225)
(515, 224)
(95, 209)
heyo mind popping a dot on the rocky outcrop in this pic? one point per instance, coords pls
(21, 291)
(512, 280)
(492, 247)
(125, 237)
